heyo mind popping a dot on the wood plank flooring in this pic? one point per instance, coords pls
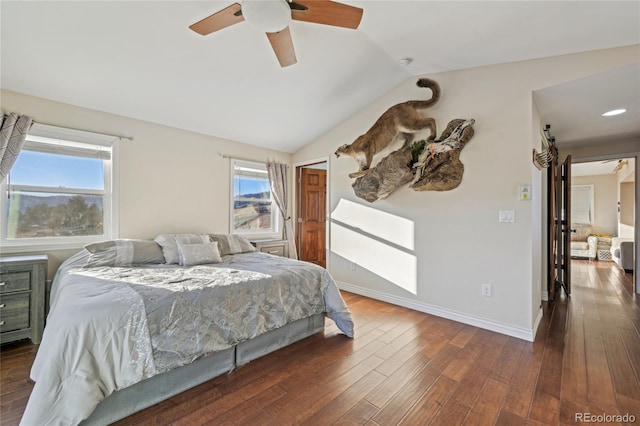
(409, 368)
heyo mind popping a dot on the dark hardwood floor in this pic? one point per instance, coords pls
(406, 367)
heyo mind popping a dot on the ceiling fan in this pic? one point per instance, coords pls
(273, 17)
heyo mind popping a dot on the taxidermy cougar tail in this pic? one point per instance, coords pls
(401, 121)
(435, 96)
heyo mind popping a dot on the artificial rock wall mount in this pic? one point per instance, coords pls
(435, 166)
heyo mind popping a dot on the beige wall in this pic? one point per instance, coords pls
(170, 180)
(604, 199)
(451, 241)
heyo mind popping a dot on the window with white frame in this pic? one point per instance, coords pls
(253, 209)
(59, 193)
(582, 206)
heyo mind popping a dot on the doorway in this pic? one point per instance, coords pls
(605, 199)
(311, 212)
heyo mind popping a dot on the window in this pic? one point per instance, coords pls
(582, 204)
(59, 193)
(253, 210)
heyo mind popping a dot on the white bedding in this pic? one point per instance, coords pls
(111, 327)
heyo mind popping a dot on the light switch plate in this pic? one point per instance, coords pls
(507, 216)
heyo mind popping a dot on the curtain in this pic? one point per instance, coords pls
(13, 132)
(280, 189)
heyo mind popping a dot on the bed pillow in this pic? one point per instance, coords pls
(198, 254)
(169, 244)
(124, 253)
(232, 244)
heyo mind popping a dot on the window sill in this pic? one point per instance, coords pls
(259, 236)
(33, 247)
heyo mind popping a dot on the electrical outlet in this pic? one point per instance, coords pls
(352, 266)
(486, 290)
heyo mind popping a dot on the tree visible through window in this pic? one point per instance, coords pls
(65, 197)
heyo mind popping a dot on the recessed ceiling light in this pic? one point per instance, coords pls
(614, 112)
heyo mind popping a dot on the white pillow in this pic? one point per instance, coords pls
(198, 254)
(124, 253)
(232, 244)
(169, 244)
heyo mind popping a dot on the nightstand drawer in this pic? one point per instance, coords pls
(22, 297)
(275, 250)
(274, 247)
(14, 311)
(15, 281)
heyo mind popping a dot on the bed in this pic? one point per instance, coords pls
(134, 322)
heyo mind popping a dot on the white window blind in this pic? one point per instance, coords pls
(582, 204)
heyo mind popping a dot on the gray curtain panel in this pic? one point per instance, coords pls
(13, 132)
(280, 190)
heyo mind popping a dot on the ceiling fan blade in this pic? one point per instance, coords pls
(225, 18)
(328, 13)
(283, 47)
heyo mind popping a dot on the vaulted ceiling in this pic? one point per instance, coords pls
(139, 59)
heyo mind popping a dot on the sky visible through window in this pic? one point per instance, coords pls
(54, 170)
(250, 185)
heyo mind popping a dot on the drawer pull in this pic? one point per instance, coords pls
(1, 322)
(2, 306)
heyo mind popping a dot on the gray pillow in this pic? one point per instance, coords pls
(232, 244)
(169, 244)
(198, 254)
(124, 253)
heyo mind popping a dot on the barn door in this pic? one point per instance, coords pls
(312, 213)
(553, 220)
(559, 225)
(566, 224)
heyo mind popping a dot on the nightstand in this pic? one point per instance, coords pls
(22, 285)
(276, 247)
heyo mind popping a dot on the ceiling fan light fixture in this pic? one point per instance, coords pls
(270, 16)
(614, 112)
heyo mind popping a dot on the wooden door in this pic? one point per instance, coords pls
(559, 225)
(566, 225)
(553, 221)
(312, 216)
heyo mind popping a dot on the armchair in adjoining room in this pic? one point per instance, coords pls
(583, 243)
(622, 252)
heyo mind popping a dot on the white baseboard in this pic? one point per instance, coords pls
(498, 327)
(536, 324)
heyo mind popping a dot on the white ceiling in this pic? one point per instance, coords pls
(139, 59)
(574, 109)
(604, 167)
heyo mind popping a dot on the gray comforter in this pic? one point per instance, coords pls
(111, 327)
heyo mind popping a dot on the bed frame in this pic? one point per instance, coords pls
(124, 402)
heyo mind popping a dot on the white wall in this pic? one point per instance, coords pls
(604, 199)
(625, 188)
(449, 243)
(170, 180)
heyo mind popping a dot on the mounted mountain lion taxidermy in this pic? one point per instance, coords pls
(399, 121)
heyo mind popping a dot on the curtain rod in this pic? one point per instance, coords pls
(233, 157)
(129, 138)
